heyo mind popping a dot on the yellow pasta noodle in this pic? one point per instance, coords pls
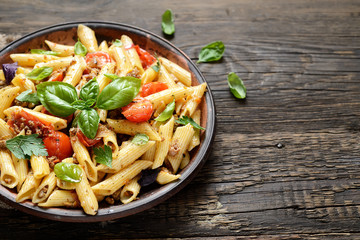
(9, 176)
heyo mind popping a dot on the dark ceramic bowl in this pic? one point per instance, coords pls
(66, 33)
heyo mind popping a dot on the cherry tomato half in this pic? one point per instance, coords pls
(58, 144)
(85, 140)
(57, 76)
(97, 59)
(140, 110)
(151, 88)
(146, 58)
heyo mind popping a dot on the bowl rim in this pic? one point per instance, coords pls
(149, 201)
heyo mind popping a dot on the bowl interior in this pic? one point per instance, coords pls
(67, 34)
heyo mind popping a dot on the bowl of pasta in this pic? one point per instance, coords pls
(99, 121)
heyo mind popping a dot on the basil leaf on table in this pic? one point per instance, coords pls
(88, 122)
(103, 155)
(118, 93)
(23, 147)
(167, 113)
(42, 51)
(39, 73)
(140, 139)
(90, 90)
(236, 86)
(212, 52)
(9, 70)
(28, 96)
(57, 97)
(80, 49)
(68, 172)
(111, 76)
(167, 23)
(185, 120)
(117, 43)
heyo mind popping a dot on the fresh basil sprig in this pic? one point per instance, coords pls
(57, 97)
(212, 52)
(103, 155)
(39, 73)
(119, 93)
(167, 113)
(140, 139)
(42, 51)
(28, 96)
(80, 49)
(236, 86)
(185, 120)
(68, 172)
(167, 23)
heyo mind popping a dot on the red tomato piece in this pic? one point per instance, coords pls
(19, 119)
(97, 59)
(146, 58)
(58, 144)
(85, 140)
(140, 110)
(57, 77)
(151, 88)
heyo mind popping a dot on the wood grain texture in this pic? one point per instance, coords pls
(285, 162)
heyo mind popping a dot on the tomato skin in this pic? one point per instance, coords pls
(58, 144)
(97, 59)
(146, 58)
(57, 77)
(140, 110)
(151, 88)
(87, 142)
(21, 117)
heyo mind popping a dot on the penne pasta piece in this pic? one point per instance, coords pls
(57, 123)
(165, 77)
(7, 96)
(104, 47)
(149, 75)
(5, 131)
(61, 198)
(84, 159)
(123, 64)
(186, 159)
(87, 37)
(102, 80)
(22, 169)
(126, 156)
(192, 104)
(162, 148)
(9, 176)
(75, 71)
(102, 114)
(179, 144)
(131, 128)
(168, 95)
(46, 187)
(119, 179)
(28, 188)
(165, 177)
(64, 50)
(2, 76)
(130, 191)
(132, 53)
(29, 60)
(86, 196)
(39, 166)
(195, 141)
(149, 154)
(180, 73)
(21, 81)
(56, 64)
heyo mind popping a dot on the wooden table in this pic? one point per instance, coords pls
(285, 162)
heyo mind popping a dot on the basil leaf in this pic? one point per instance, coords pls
(167, 23)
(236, 86)
(140, 139)
(80, 49)
(103, 155)
(156, 67)
(90, 90)
(111, 76)
(212, 52)
(68, 172)
(117, 43)
(89, 122)
(23, 147)
(39, 73)
(9, 70)
(118, 93)
(167, 113)
(81, 104)
(28, 96)
(57, 97)
(42, 51)
(186, 120)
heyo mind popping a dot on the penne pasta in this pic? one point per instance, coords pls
(86, 196)
(130, 191)
(87, 37)
(30, 60)
(162, 148)
(61, 198)
(39, 166)
(9, 176)
(165, 177)
(130, 128)
(63, 50)
(7, 96)
(28, 188)
(45, 188)
(75, 71)
(180, 73)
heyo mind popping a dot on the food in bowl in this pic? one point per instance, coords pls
(81, 123)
